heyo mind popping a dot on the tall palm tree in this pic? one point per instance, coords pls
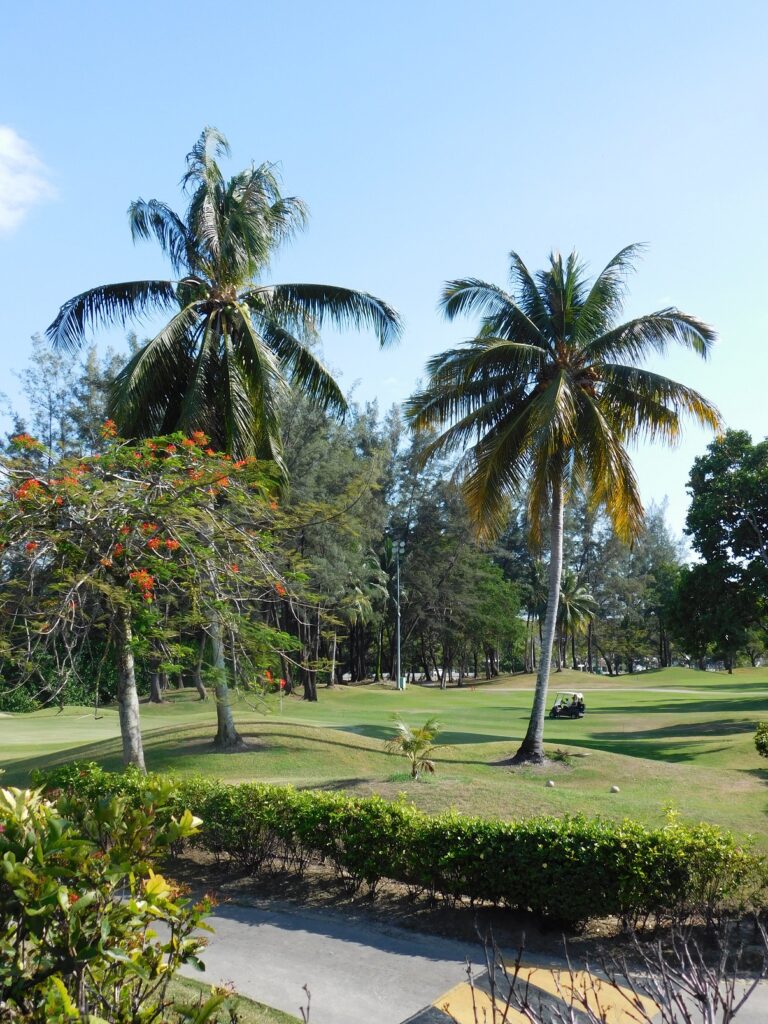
(545, 399)
(576, 608)
(233, 343)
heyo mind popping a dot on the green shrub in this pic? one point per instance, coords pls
(16, 699)
(761, 739)
(571, 868)
(79, 902)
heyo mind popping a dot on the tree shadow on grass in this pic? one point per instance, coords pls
(632, 744)
(445, 737)
(714, 728)
(331, 785)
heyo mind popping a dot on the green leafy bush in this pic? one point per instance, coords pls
(571, 868)
(761, 739)
(80, 902)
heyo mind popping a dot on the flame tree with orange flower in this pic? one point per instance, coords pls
(139, 542)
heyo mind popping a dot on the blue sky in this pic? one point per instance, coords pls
(428, 139)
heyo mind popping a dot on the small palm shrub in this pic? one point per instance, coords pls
(415, 744)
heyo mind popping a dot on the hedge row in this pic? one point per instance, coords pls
(572, 869)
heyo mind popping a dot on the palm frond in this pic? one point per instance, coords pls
(155, 218)
(196, 400)
(497, 468)
(603, 468)
(266, 384)
(244, 433)
(515, 360)
(640, 403)
(502, 316)
(343, 307)
(107, 306)
(202, 166)
(528, 295)
(636, 339)
(469, 295)
(153, 380)
(606, 296)
(302, 368)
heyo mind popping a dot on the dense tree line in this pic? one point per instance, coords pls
(468, 609)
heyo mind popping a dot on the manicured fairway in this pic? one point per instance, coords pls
(678, 738)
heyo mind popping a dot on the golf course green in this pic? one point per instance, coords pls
(676, 740)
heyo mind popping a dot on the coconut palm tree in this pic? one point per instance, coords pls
(545, 399)
(233, 343)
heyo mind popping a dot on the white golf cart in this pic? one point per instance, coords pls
(568, 704)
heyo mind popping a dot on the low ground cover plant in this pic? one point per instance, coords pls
(570, 869)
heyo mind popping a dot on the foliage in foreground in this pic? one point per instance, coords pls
(80, 906)
(571, 869)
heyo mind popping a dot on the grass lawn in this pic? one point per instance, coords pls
(186, 991)
(676, 738)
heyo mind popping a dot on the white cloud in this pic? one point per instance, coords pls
(23, 179)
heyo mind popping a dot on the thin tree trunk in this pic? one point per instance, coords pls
(425, 662)
(127, 696)
(228, 739)
(332, 680)
(197, 674)
(155, 688)
(532, 747)
(379, 645)
(573, 649)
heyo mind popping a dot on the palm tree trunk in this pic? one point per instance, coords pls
(227, 737)
(127, 696)
(532, 748)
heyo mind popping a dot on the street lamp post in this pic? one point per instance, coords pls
(399, 551)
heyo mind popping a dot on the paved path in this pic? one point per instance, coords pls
(356, 970)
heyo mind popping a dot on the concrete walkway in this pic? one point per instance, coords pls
(356, 970)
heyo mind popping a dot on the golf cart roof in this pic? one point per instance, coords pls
(569, 693)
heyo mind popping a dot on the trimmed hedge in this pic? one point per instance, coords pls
(571, 869)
